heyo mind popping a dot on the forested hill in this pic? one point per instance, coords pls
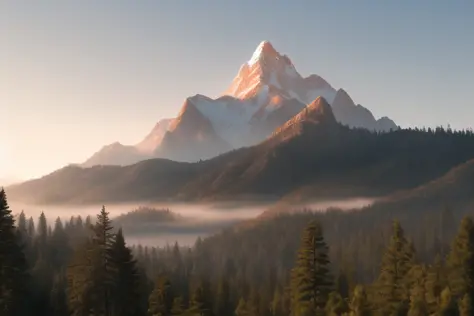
(455, 189)
(329, 162)
(366, 264)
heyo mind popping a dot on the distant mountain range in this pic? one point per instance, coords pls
(267, 92)
(310, 156)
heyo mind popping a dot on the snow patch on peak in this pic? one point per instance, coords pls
(262, 48)
(274, 81)
(263, 95)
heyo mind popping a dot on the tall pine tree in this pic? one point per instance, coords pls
(359, 305)
(92, 274)
(311, 279)
(161, 299)
(13, 269)
(393, 284)
(201, 304)
(126, 293)
(460, 262)
(105, 267)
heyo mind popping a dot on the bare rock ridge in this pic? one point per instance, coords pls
(318, 113)
(267, 92)
(191, 134)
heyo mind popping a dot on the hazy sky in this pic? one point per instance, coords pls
(76, 75)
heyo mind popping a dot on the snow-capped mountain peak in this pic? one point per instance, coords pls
(264, 50)
(269, 70)
(267, 92)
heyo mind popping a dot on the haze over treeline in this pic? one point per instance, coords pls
(265, 267)
(190, 221)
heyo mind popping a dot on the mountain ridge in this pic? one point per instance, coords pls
(267, 91)
(325, 158)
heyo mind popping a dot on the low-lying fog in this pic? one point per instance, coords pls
(194, 219)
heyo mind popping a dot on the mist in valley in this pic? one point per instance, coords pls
(187, 222)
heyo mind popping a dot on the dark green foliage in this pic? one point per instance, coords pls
(393, 284)
(162, 299)
(102, 277)
(80, 280)
(417, 277)
(460, 263)
(13, 275)
(251, 269)
(126, 293)
(359, 304)
(145, 220)
(311, 279)
(223, 304)
(336, 305)
(447, 305)
(42, 231)
(434, 285)
(242, 308)
(104, 265)
(418, 306)
(59, 245)
(465, 306)
(201, 304)
(58, 299)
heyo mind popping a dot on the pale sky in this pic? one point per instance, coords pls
(76, 75)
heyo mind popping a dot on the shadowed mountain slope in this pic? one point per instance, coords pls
(311, 152)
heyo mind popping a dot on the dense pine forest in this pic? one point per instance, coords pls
(310, 263)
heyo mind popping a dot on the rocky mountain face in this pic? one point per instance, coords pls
(267, 92)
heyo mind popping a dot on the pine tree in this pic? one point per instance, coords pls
(435, 283)
(42, 231)
(447, 306)
(59, 244)
(418, 305)
(42, 274)
(359, 305)
(58, 300)
(201, 304)
(393, 282)
(22, 228)
(126, 294)
(242, 308)
(336, 305)
(223, 303)
(161, 299)
(92, 274)
(26, 242)
(460, 262)
(280, 304)
(13, 275)
(465, 306)
(31, 228)
(104, 265)
(81, 281)
(311, 280)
